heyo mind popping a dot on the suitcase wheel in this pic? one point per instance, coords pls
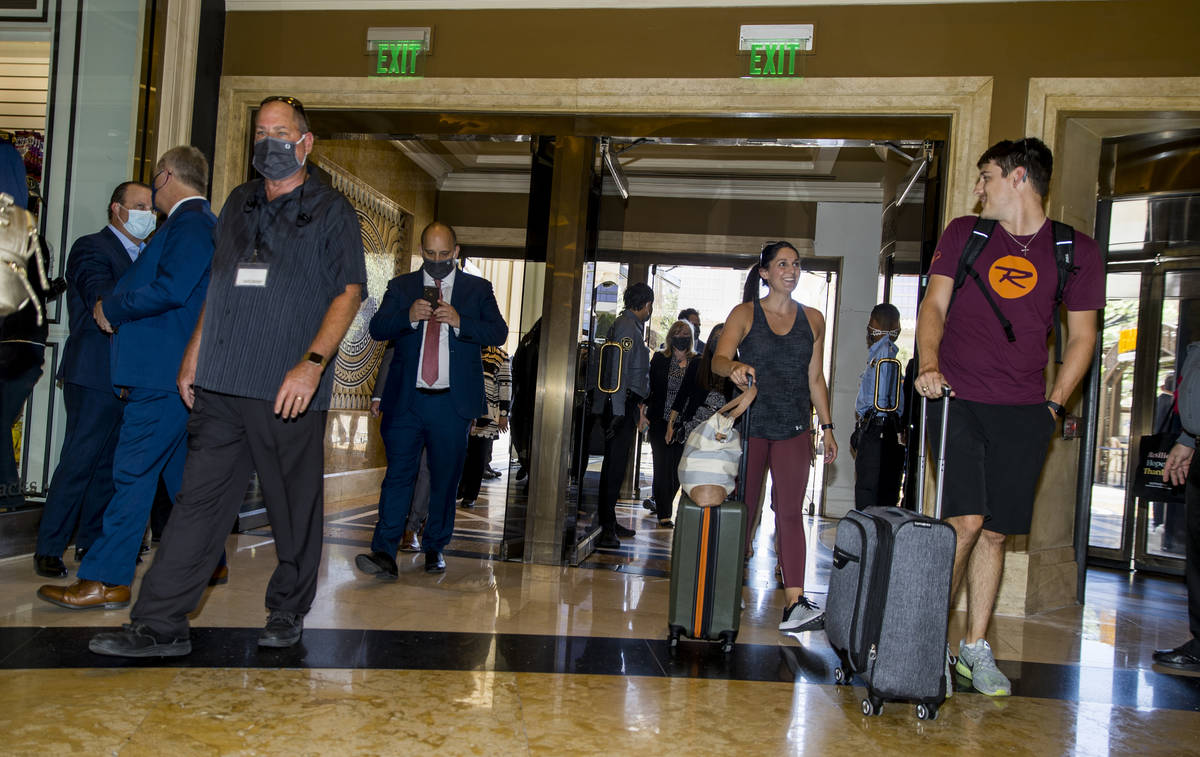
(727, 642)
(927, 711)
(872, 706)
(673, 639)
(840, 677)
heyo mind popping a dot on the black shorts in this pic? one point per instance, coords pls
(994, 457)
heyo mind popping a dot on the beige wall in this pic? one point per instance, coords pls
(1010, 42)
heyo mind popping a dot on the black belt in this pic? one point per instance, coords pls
(423, 390)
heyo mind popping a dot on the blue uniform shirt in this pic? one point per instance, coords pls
(884, 348)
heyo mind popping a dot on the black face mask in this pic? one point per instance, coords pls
(681, 342)
(438, 269)
(276, 158)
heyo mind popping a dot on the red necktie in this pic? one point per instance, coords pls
(429, 353)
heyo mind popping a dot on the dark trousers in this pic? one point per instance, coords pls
(618, 443)
(150, 444)
(83, 482)
(228, 437)
(1192, 549)
(430, 423)
(878, 465)
(666, 467)
(477, 459)
(17, 380)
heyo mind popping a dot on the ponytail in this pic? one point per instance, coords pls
(753, 282)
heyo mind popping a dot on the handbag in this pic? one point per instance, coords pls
(711, 455)
(19, 247)
(1148, 480)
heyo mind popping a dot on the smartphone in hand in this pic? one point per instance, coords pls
(431, 294)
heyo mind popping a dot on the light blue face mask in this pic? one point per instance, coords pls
(141, 223)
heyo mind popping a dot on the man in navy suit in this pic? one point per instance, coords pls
(152, 313)
(82, 483)
(438, 318)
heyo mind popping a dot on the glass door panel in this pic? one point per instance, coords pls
(1119, 339)
(1161, 526)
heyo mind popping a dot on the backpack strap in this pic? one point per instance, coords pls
(975, 243)
(1064, 259)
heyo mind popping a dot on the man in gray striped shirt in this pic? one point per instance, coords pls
(288, 275)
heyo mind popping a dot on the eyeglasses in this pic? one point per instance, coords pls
(286, 100)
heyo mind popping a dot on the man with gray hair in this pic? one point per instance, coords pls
(288, 275)
(150, 314)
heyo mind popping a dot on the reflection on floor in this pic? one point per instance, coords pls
(499, 657)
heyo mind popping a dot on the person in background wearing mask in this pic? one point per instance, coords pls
(82, 483)
(667, 370)
(288, 275)
(692, 316)
(879, 455)
(439, 319)
(150, 313)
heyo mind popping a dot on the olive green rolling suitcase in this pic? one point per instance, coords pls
(707, 570)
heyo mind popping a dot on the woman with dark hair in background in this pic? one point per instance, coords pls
(702, 394)
(667, 369)
(780, 344)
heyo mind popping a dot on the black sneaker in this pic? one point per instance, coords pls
(622, 532)
(283, 629)
(802, 615)
(136, 640)
(608, 540)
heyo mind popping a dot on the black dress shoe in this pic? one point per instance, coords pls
(136, 640)
(434, 562)
(378, 564)
(467, 504)
(49, 566)
(622, 532)
(608, 540)
(79, 553)
(1179, 658)
(283, 629)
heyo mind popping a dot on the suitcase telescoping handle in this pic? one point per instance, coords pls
(941, 454)
(740, 487)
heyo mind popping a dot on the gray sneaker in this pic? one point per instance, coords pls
(975, 661)
(802, 615)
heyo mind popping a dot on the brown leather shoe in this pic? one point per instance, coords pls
(410, 543)
(85, 595)
(220, 576)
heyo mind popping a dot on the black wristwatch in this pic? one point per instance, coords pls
(827, 427)
(1057, 409)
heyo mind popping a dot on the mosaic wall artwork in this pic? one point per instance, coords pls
(386, 229)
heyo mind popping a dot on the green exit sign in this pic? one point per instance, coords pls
(399, 57)
(775, 58)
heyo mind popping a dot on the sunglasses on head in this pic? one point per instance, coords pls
(286, 100)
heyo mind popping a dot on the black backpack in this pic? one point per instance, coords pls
(1064, 257)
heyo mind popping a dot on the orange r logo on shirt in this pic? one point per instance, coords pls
(1012, 277)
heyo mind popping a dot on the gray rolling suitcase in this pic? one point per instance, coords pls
(889, 597)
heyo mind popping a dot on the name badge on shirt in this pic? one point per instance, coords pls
(251, 275)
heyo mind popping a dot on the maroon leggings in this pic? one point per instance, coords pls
(789, 460)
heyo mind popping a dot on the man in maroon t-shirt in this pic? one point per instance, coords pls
(1001, 418)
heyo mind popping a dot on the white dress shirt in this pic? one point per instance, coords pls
(132, 248)
(443, 379)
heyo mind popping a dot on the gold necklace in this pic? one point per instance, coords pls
(1024, 247)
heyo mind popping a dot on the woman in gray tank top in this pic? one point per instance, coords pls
(779, 344)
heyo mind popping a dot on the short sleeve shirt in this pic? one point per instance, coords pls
(312, 245)
(975, 356)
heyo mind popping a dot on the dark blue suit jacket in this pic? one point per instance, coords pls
(156, 304)
(95, 264)
(481, 325)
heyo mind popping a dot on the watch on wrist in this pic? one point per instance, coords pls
(317, 358)
(1057, 409)
(827, 427)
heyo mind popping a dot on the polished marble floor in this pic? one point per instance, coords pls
(504, 658)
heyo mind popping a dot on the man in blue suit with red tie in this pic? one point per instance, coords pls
(152, 313)
(438, 318)
(82, 483)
